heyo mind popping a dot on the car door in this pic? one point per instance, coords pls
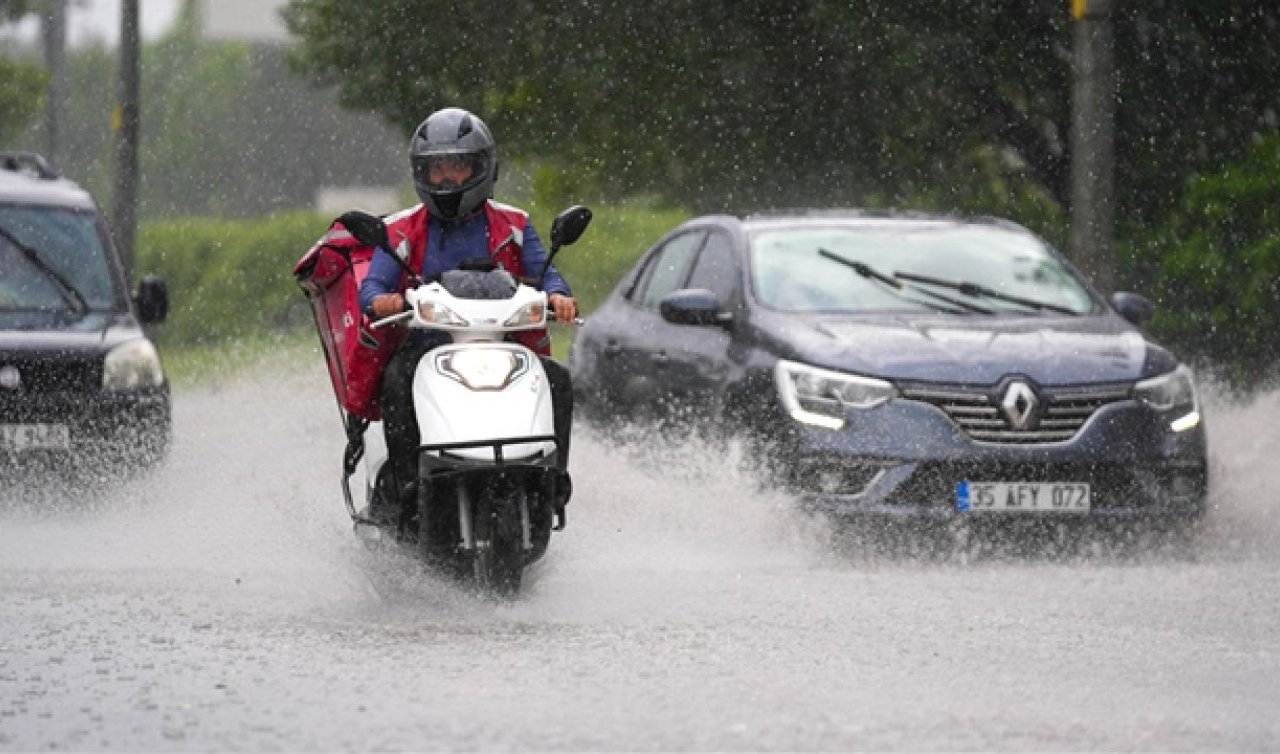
(693, 361)
(633, 353)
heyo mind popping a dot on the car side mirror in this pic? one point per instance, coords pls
(1133, 307)
(693, 306)
(367, 228)
(152, 300)
(569, 226)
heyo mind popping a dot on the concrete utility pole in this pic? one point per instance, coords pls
(1093, 142)
(54, 27)
(125, 205)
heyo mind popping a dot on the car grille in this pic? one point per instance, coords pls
(54, 374)
(976, 410)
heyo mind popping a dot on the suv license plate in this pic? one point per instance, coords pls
(1059, 497)
(19, 437)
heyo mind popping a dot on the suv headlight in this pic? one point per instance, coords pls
(483, 368)
(821, 397)
(1174, 395)
(132, 365)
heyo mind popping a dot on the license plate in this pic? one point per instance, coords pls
(18, 437)
(1060, 497)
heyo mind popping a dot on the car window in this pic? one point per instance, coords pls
(65, 240)
(716, 269)
(792, 269)
(667, 268)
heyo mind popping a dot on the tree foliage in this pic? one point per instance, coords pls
(733, 105)
(1215, 266)
(11, 10)
(739, 103)
(21, 85)
(21, 97)
(226, 130)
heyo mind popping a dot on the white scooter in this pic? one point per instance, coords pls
(491, 485)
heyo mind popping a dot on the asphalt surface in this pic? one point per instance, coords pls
(223, 603)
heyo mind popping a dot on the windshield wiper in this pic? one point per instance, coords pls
(974, 289)
(74, 298)
(867, 271)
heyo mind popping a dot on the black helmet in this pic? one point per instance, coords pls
(453, 138)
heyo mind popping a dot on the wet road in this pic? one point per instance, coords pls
(223, 603)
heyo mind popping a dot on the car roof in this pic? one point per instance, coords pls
(27, 178)
(870, 218)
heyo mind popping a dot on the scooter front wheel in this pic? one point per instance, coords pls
(498, 559)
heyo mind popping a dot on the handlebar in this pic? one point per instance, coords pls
(394, 318)
(407, 313)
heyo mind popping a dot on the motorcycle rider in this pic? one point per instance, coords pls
(454, 161)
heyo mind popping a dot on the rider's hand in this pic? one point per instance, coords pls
(565, 307)
(387, 304)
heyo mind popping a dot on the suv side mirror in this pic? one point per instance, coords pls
(1133, 307)
(152, 300)
(368, 229)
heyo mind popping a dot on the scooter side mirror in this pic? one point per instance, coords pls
(569, 226)
(367, 228)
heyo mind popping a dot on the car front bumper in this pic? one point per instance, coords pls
(906, 459)
(125, 426)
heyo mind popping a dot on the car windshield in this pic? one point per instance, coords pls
(68, 249)
(933, 266)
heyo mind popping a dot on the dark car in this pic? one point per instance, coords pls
(80, 381)
(905, 365)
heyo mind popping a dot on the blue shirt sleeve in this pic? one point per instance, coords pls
(534, 256)
(383, 277)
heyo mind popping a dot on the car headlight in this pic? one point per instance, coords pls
(483, 368)
(436, 313)
(132, 365)
(822, 397)
(1174, 395)
(531, 314)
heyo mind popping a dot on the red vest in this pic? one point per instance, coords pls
(357, 355)
(506, 249)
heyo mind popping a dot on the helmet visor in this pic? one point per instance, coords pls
(450, 171)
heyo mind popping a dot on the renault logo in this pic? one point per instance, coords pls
(10, 378)
(1020, 406)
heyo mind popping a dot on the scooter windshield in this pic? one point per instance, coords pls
(474, 284)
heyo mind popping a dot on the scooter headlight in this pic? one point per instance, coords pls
(483, 368)
(1174, 395)
(821, 397)
(531, 314)
(435, 313)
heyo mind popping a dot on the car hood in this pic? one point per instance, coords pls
(1049, 350)
(95, 333)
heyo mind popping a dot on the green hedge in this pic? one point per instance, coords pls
(231, 283)
(1213, 269)
(228, 279)
(616, 238)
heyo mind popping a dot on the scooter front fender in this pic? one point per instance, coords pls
(457, 401)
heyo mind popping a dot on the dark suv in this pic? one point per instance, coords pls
(80, 381)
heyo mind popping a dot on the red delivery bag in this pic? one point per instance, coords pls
(330, 274)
